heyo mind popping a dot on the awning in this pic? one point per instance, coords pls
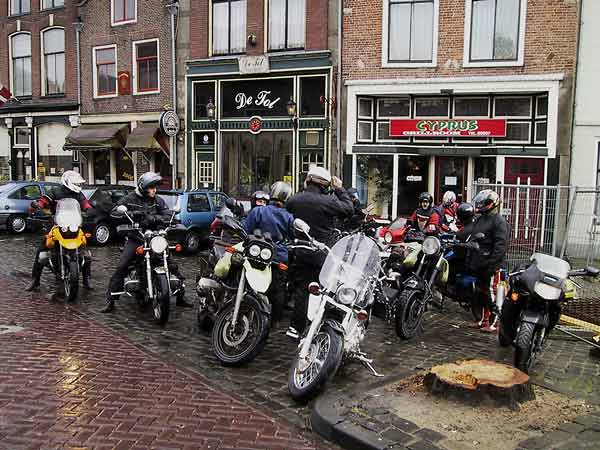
(147, 138)
(97, 137)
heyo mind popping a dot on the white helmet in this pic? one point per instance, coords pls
(72, 181)
(318, 175)
(449, 198)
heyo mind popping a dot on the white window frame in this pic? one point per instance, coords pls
(537, 98)
(43, 62)
(526, 141)
(211, 52)
(370, 123)
(388, 119)
(10, 7)
(28, 145)
(531, 112)
(10, 59)
(415, 116)
(206, 172)
(114, 23)
(134, 62)
(535, 135)
(468, 140)
(53, 7)
(366, 99)
(95, 71)
(385, 39)
(467, 41)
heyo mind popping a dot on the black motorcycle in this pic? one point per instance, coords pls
(532, 307)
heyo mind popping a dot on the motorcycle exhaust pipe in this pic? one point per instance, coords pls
(500, 293)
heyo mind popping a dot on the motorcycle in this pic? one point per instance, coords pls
(66, 242)
(151, 279)
(532, 307)
(339, 309)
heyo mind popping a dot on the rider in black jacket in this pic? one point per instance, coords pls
(318, 209)
(153, 211)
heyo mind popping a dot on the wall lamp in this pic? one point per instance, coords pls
(292, 113)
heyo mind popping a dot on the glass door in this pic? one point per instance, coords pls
(451, 175)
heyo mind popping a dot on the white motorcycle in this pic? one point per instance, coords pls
(339, 309)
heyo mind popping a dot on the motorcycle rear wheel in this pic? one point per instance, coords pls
(161, 304)
(524, 355)
(71, 280)
(409, 313)
(326, 352)
(239, 346)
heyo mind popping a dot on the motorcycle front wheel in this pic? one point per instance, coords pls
(525, 343)
(409, 313)
(71, 280)
(322, 362)
(162, 301)
(235, 346)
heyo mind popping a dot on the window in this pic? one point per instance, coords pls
(21, 137)
(365, 127)
(431, 107)
(51, 4)
(19, 7)
(471, 107)
(229, 26)
(410, 32)
(21, 64)
(204, 93)
(393, 107)
(374, 183)
(287, 24)
(218, 200)
(541, 126)
(494, 31)
(31, 192)
(311, 159)
(205, 172)
(145, 75)
(198, 203)
(54, 61)
(105, 66)
(512, 107)
(312, 89)
(123, 11)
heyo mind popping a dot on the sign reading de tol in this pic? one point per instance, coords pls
(253, 64)
(448, 127)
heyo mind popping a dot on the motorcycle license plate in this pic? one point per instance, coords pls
(313, 305)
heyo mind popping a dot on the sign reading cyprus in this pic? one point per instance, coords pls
(448, 127)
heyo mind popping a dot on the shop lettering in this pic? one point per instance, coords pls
(261, 99)
(447, 125)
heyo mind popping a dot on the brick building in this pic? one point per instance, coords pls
(38, 65)
(420, 75)
(127, 83)
(259, 89)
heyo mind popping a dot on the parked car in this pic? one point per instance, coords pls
(98, 221)
(198, 210)
(15, 200)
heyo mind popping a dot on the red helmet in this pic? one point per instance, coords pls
(486, 201)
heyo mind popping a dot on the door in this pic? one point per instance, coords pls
(20, 200)
(524, 170)
(198, 210)
(451, 175)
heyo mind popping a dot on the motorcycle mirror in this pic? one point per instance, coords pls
(177, 208)
(302, 226)
(230, 203)
(121, 209)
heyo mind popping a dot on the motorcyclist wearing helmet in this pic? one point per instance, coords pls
(448, 212)
(71, 183)
(279, 223)
(145, 204)
(425, 218)
(484, 263)
(318, 209)
(259, 198)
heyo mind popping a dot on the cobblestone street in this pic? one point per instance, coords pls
(84, 379)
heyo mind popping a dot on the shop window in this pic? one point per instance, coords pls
(20, 7)
(312, 89)
(123, 11)
(105, 71)
(365, 131)
(205, 172)
(413, 178)
(54, 61)
(485, 170)
(410, 31)
(374, 183)
(494, 32)
(516, 133)
(21, 64)
(101, 164)
(471, 107)
(198, 203)
(393, 107)
(287, 24)
(124, 167)
(52, 4)
(229, 27)
(432, 107)
(512, 107)
(204, 93)
(145, 75)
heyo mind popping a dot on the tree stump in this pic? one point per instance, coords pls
(480, 380)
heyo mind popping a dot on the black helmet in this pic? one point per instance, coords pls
(465, 212)
(426, 196)
(280, 190)
(259, 195)
(353, 193)
(486, 201)
(147, 181)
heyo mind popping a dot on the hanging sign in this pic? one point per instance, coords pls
(124, 82)
(448, 127)
(169, 123)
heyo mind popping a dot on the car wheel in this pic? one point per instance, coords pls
(102, 234)
(192, 242)
(17, 224)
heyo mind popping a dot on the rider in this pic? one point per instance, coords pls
(279, 223)
(71, 183)
(448, 211)
(318, 209)
(485, 262)
(259, 198)
(155, 211)
(425, 218)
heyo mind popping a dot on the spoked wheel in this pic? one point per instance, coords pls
(238, 345)
(161, 303)
(71, 280)
(527, 345)
(307, 377)
(409, 313)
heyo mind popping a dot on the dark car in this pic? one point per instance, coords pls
(15, 200)
(98, 221)
(198, 210)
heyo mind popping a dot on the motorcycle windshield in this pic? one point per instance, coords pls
(351, 262)
(68, 214)
(551, 265)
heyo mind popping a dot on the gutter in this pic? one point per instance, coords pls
(338, 119)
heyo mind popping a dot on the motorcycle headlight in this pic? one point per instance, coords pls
(158, 244)
(266, 254)
(431, 245)
(254, 250)
(346, 295)
(388, 238)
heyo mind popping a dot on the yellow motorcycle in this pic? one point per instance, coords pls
(66, 242)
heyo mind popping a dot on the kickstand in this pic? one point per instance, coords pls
(368, 363)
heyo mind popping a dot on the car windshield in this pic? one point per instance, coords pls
(6, 187)
(68, 214)
(400, 222)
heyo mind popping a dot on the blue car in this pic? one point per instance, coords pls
(15, 200)
(198, 210)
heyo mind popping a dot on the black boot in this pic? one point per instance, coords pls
(110, 305)
(182, 302)
(36, 274)
(86, 283)
(86, 272)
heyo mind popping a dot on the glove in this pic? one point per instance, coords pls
(336, 182)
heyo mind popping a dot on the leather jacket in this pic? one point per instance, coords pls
(492, 248)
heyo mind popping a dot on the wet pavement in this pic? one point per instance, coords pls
(565, 364)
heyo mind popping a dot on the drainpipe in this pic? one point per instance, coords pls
(338, 119)
(173, 11)
(78, 29)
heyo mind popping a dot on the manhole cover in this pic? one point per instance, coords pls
(4, 329)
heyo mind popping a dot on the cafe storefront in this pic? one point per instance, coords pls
(407, 136)
(252, 121)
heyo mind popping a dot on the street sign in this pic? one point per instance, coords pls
(448, 127)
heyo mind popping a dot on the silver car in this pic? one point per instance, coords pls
(15, 200)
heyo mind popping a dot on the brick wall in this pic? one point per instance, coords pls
(34, 23)
(152, 22)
